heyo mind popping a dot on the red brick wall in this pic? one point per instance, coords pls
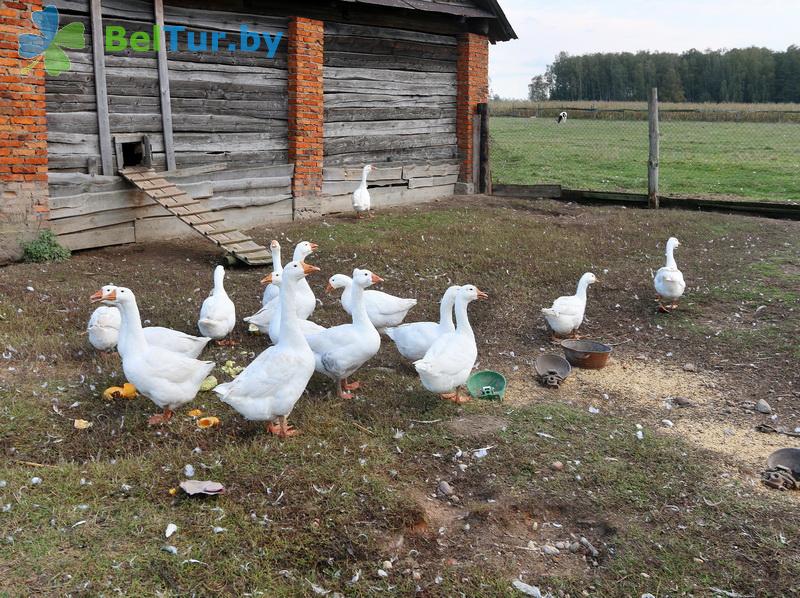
(23, 133)
(306, 114)
(473, 89)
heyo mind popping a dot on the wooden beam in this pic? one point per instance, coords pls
(485, 177)
(101, 92)
(476, 152)
(652, 163)
(163, 88)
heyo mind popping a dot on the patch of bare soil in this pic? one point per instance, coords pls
(502, 534)
(699, 405)
(476, 426)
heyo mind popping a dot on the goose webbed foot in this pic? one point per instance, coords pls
(160, 418)
(456, 397)
(282, 429)
(351, 385)
(665, 309)
(343, 391)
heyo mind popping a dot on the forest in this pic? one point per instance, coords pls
(750, 75)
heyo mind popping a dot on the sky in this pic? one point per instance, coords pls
(546, 27)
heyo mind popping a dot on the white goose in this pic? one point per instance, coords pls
(668, 281)
(105, 322)
(566, 315)
(307, 327)
(361, 199)
(413, 340)
(384, 310)
(268, 389)
(103, 328)
(449, 361)
(305, 303)
(340, 351)
(218, 313)
(168, 379)
(271, 291)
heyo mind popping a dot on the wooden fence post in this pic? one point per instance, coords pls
(163, 87)
(100, 88)
(485, 181)
(652, 163)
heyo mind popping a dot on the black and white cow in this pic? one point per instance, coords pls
(562, 118)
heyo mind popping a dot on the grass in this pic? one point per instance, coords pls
(741, 160)
(669, 110)
(666, 516)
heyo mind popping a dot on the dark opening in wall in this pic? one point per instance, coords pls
(132, 153)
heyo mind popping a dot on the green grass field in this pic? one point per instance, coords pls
(698, 159)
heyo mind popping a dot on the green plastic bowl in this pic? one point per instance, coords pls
(487, 385)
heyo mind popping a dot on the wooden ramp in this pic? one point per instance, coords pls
(193, 213)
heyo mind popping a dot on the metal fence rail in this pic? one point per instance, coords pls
(716, 157)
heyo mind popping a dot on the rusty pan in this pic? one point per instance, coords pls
(586, 354)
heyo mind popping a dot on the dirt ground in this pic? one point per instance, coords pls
(650, 509)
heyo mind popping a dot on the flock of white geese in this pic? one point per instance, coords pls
(163, 364)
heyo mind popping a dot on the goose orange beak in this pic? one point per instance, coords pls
(376, 279)
(98, 296)
(314, 246)
(267, 279)
(308, 268)
(482, 295)
(329, 288)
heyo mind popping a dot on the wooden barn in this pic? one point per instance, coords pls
(151, 119)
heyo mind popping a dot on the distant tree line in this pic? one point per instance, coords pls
(748, 75)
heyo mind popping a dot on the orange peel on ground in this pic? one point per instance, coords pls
(126, 391)
(195, 413)
(208, 422)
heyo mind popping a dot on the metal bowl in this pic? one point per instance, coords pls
(786, 457)
(586, 354)
(548, 365)
(551, 369)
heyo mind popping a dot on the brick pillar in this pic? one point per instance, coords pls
(23, 134)
(473, 89)
(306, 116)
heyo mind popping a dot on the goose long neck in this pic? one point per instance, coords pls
(364, 177)
(290, 326)
(671, 257)
(276, 259)
(583, 284)
(357, 306)
(347, 294)
(462, 319)
(131, 326)
(446, 313)
(219, 287)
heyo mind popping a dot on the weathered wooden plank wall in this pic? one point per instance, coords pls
(71, 102)
(95, 211)
(228, 106)
(390, 101)
(390, 95)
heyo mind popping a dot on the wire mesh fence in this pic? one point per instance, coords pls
(742, 153)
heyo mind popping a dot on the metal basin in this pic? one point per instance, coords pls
(586, 354)
(552, 369)
(786, 457)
